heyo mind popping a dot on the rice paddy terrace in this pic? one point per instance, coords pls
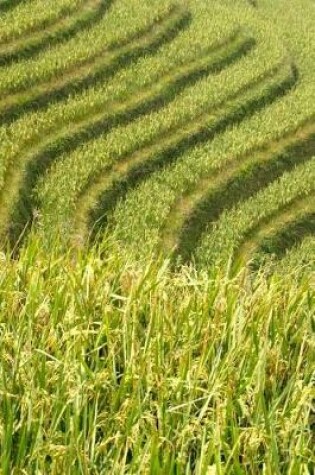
(184, 128)
(157, 181)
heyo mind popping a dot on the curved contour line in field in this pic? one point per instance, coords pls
(113, 185)
(40, 26)
(66, 27)
(291, 235)
(194, 212)
(151, 99)
(286, 216)
(94, 70)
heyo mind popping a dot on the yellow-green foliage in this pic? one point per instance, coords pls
(157, 218)
(105, 369)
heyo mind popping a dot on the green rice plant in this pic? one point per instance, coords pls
(68, 26)
(17, 138)
(174, 197)
(152, 99)
(299, 257)
(295, 221)
(112, 359)
(6, 5)
(197, 38)
(157, 209)
(170, 151)
(109, 33)
(105, 368)
(11, 147)
(39, 159)
(97, 69)
(32, 16)
(237, 182)
(235, 228)
(280, 241)
(38, 125)
(139, 166)
(159, 140)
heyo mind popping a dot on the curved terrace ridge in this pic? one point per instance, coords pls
(132, 170)
(39, 156)
(93, 70)
(37, 27)
(295, 220)
(242, 178)
(66, 27)
(151, 99)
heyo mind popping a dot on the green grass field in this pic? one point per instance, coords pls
(157, 237)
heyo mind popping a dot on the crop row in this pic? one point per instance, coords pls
(24, 133)
(34, 128)
(110, 32)
(218, 62)
(160, 208)
(97, 69)
(96, 145)
(183, 199)
(239, 180)
(163, 191)
(151, 141)
(203, 130)
(235, 228)
(155, 97)
(150, 100)
(30, 129)
(277, 236)
(62, 196)
(84, 16)
(32, 16)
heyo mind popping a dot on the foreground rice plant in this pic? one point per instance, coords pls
(105, 369)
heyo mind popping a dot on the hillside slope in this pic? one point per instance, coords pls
(157, 203)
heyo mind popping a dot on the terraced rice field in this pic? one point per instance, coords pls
(152, 152)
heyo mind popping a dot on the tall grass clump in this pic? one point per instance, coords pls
(109, 368)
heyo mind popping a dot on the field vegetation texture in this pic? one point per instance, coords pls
(157, 237)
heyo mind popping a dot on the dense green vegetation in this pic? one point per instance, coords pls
(157, 203)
